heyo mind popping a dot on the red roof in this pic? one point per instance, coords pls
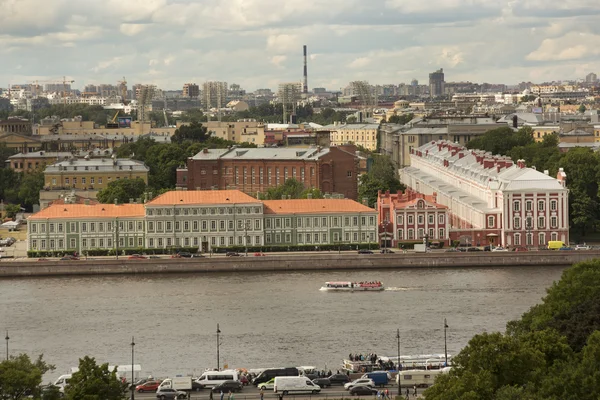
(69, 211)
(313, 206)
(202, 197)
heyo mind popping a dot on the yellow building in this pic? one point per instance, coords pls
(242, 131)
(364, 135)
(540, 131)
(597, 133)
(76, 127)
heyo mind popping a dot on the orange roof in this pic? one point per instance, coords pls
(66, 211)
(202, 197)
(314, 206)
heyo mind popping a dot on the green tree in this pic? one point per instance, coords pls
(20, 377)
(163, 161)
(527, 98)
(291, 187)
(582, 108)
(194, 132)
(502, 140)
(29, 188)
(5, 152)
(382, 176)
(122, 190)
(9, 183)
(314, 193)
(351, 119)
(401, 119)
(95, 382)
(12, 210)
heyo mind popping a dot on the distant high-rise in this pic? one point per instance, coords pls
(305, 82)
(214, 94)
(436, 83)
(591, 78)
(191, 90)
(289, 93)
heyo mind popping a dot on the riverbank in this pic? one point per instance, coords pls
(286, 262)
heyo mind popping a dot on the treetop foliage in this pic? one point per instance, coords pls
(381, 176)
(292, 188)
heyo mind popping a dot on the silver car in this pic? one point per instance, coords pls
(169, 393)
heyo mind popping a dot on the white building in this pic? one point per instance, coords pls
(490, 199)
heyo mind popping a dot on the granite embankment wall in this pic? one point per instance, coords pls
(273, 263)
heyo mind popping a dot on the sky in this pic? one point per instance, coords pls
(258, 43)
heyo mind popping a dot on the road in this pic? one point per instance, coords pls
(252, 393)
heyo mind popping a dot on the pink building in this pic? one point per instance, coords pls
(410, 216)
(491, 199)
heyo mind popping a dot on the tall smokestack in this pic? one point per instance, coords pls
(305, 86)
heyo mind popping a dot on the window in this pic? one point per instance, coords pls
(541, 222)
(441, 219)
(74, 227)
(516, 207)
(542, 239)
(349, 174)
(441, 234)
(541, 205)
(410, 219)
(517, 223)
(33, 228)
(72, 243)
(491, 221)
(221, 225)
(169, 226)
(268, 223)
(553, 222)
(553, 205)
(84, 227)
(100, 227)
(257, 224)
(371, 221)
(195, 225)
(400, 219)
(61, 244)
(150, 242)
(411, 234)
(186, 225)
(431, 233)
(51, 228)
(528, 205)
(529, 239)
(300, 238)
(421, 219)
(213, 226)
(346, 221)
(100, 243)
(324, 222)
(400, 234)
(517, 239)
(430, 219)
(159, 226)
(130, 226)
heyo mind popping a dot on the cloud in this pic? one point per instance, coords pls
(131, 29)
(278, 60)
(572, 46)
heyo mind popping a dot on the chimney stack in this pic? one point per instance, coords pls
(305, 84)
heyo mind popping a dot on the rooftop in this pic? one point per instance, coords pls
(314, 206)
(266, 153)
(189, 197)
(97, 164)
(62, 211)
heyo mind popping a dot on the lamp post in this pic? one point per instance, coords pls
(132, 376)
(7, 338)
(399, 383)
(218, 345)
(445, 343)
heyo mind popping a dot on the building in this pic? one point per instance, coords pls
(318, 221)
(241, 131)
(436, 83)
(86, 177)
(214, 95)
(15, 125)
(191, 90)
(591, 78)
(201, 219)
(126, 128)
(28, 162)
(364, 135)
(76, 228)
(490, 199)
(331, 170)
(288, 94)
(21, 143)
(409, 216)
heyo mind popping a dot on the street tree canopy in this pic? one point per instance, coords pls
(292, 188)
(381, 176)
(194, 132)
(122, 190)
(552, 352)
(95, 382)
(20, 377)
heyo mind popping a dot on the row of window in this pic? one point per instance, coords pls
(541, 204)
(213, 226)
(124, 226)
(421, 219)
(541, 223)
(94, 243)
(204, 211)
(410, 234)
(316, 222)
(214, 241)
(529, 239)
(84, 180)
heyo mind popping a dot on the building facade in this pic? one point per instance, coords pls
(490, 199)
(191, 90)
(331, 170)
(241, 131)
(436, 83)
(214, 95)
(410, 216)
(364, 135)
(201, 219)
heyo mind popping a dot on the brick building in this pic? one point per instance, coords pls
(410, 216)
(331, 170)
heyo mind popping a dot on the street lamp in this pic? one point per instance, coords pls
(445, 342)
(7, 338)
(399, 383)
(132, 376)
(218, 345)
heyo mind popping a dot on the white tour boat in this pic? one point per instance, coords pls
(352, 286)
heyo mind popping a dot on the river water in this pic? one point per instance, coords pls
(266, 319)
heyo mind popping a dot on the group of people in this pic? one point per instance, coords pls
(371, 357)
(383, 395)
(374, 283)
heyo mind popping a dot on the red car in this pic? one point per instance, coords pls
(259, 254)
(150, 386)
(137, 257)
(520, 248)
(244, 380)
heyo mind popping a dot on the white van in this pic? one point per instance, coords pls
(62, 381)
(419, 377)
(214, 378)
(295, 384)
(178, 383)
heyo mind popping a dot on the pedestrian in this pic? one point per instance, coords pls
(262, 393)
(415, 390)
(378, 395)
(387, 394)
(407, 393)
(230, 397)
(222, 395)
(280, 396)
(210, 395)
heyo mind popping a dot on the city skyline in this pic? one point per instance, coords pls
(258, 43)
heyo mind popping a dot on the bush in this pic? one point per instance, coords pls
(306, 247)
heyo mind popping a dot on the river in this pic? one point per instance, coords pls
(266, 319)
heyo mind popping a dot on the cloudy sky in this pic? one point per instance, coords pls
(258, 43)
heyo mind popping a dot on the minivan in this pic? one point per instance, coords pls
(556, 244)
(214, 378)
(295, 384)
(271, 373)
(380, 378)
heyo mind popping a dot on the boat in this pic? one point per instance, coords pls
(352, 286)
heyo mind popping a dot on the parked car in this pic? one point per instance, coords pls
(185, 254)
(232, 254)
(362, 391)
(259, 254)
(499, 248)
(153, 256)
(233, 386)
(359, 382)
(520, 248)
(582, 247)
(566, 248)
(470, 249)
(70, 258)
(452, 250)
(244, 380)
(148, 386)
(267, 385)
(322, 382)
(387, 251)
(339, 379)
(168, 393)
(197, 386)
(137, 257)
(364, 251)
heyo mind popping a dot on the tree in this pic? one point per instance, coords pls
(502, 140)
(401, 119)
(582, 108)
(163, 161)
(528, 98)
(20, 378)
(95, 382)
(12, 210)
(194, 132)
(29, 188)
(291, 187)
(381, 177)
(351, 119)
(314, 193)
(122, 190)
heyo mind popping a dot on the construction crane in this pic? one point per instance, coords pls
(36, 84)
(64, 82)
(123, 88)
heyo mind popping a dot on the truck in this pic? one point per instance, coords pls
(295, 384)
(178, 383)
(379, 378)
(421, 248)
